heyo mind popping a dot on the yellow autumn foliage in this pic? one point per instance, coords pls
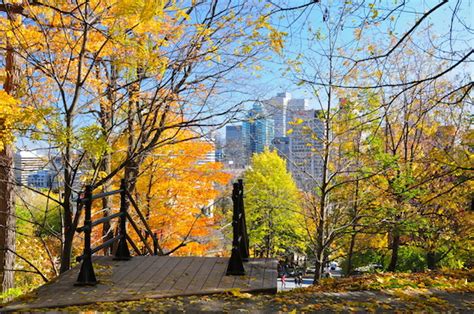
(12, 116)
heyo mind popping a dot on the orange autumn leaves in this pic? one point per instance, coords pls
(175, 191)
(175, 188)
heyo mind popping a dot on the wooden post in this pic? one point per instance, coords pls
(123, 253)
(244, 243)
(236, 265)
(86, 275)
(155, 244)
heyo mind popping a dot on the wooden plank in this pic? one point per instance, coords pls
(68, 291)
(258, 272)
(154, 276)
(131, 271)
(63, 292)
(218, 271)
(227, 282)
(243, 282)
(189, 274)
(203, 274)
(146, 276)
(174, 275)
(123, 274)
(136, 282)
(149, 288)
(270, 277)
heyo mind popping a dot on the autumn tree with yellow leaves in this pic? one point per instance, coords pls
(364, 87)
(104, 71)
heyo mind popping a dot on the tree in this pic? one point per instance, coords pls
(333, 64)
(12, 117)
(177, 189)
(136, 68)
(274, 218)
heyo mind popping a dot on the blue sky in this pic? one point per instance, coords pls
(298, 41)
(270, 80)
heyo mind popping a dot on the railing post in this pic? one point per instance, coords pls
(236, 265)
(155, 244)
(123, 253)
(244, 243)
(86, 275)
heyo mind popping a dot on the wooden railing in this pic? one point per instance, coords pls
(87, 274)
(240, 241)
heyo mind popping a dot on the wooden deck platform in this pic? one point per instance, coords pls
(152, 277)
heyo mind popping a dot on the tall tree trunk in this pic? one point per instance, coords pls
(7, 204)
(69, 228)
(395, 246)
(7, 219)
(350, 253)
(355, 219)
(133, 166)
(67, 242)
(431, 260)
(106, 121)
(70, 171)
(107, 233)
(321, 220)
(323, 203)
(319, 265)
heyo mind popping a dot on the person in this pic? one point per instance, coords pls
(300, 279)
(283, 281)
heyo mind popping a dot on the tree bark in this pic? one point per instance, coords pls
(431, 260)
(7, 204)
(7, 219)
(319, 265)
(69, 229)
(107, 233)
(395, 246)
(350, 254)
(355, 219)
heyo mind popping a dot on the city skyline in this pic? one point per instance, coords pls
(271, 124)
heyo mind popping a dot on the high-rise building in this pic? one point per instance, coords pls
(257, 131)
(287, 125)
(305, 151)
(233, 133)
(234, 151)
(42, 171)
(282, 146)
(219, 146)
(276, 108)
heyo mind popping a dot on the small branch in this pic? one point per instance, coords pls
(28, 262)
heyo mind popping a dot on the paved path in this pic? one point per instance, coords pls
(152, 277)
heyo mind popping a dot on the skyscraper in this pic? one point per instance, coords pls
(258, 131)
(282, 146)
(234, 152)
(305, 152)
(276, 108)
(267, 125)
(233, 133)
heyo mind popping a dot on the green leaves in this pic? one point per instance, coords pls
(272, 205)
(93, 141)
